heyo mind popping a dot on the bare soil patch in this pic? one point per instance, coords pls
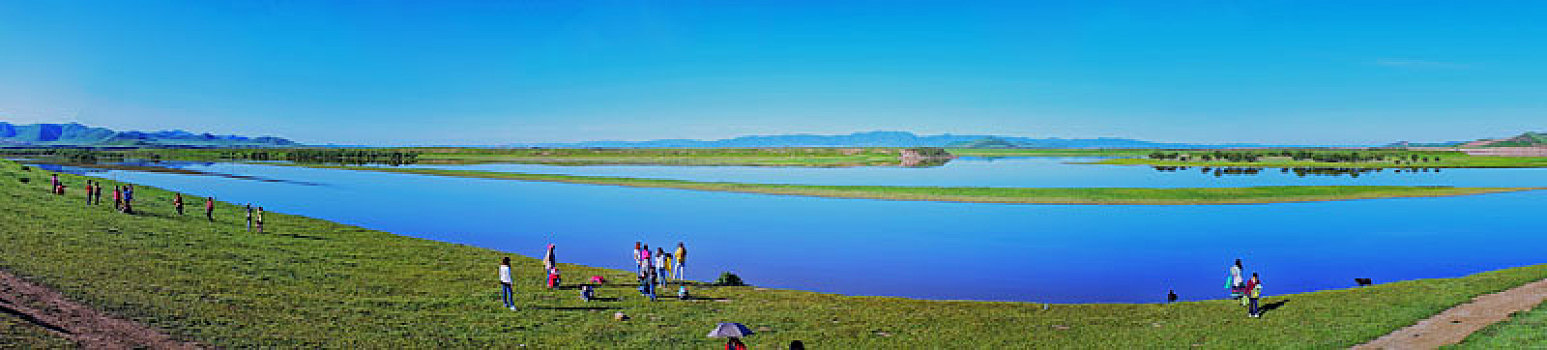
(85, 326)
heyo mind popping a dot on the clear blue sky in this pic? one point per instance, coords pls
(445, 72)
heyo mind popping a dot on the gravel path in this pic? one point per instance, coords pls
(1454, 325)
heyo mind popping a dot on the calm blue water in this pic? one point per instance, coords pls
(1047, 253)
(1028, 172)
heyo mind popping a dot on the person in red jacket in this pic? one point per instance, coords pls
(1254, 292)
(209, 208)
(178, 203)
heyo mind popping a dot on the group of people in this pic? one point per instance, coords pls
(123, 196)
(123, 201)
(1246, 290)
(253, 218)
(656, 269)
(55, 186)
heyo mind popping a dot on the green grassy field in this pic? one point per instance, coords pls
(1030, 152)
(1526, 330)
(804, 156)
(1082, 195)
(313, 283)
(823, 157)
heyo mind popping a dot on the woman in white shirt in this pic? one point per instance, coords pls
(505, 281)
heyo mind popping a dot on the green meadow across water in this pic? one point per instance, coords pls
(1135, 196)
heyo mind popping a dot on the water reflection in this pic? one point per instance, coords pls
(1300, 172)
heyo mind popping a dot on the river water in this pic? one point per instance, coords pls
(931, 250)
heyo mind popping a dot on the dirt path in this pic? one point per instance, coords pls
(88, 327)
(1453, 325)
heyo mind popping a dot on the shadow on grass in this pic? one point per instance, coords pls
(34, 320)
(1272, 306)
(299, 236)
(577, 308)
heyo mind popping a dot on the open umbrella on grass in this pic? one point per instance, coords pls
(730, 330)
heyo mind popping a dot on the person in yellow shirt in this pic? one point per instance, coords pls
(681, 257)
(670, 261)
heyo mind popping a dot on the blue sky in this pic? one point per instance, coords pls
(429, 72)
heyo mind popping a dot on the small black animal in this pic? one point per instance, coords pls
(1362, 281)
(1171, 296)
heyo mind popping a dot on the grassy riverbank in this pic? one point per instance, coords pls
(795, 156)
(819, 157)
(1031, 152)
(313, 283)
(1132, 196)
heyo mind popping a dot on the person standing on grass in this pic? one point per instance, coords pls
(96, 196)
(681, 257)
(550, 261)
(53, 182)
(129, 199)
(505, 282)
(118, 198)
(646, 274)
(669, 261)
(649, 282)
(644, 258)
(1254, 292)
(209, 208)
(177, 202)
(249, 217)
(660, 266)
(88, 192)
(259, 219)
(636, 256)
(1235, 283)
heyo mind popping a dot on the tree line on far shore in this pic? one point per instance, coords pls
(1302, 155)
(340, 156)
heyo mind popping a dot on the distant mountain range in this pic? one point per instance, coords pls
(73, 134)
(883, 139)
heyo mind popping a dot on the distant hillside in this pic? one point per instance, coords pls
(73, 134)
(1524, 140)
(880, 139)
(987, 142)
